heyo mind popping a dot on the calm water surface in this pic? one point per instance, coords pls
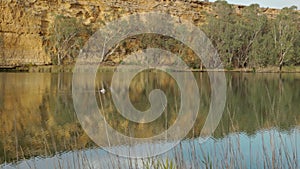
(259, 127)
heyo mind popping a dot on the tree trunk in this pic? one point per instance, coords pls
(58, 59)
(280, 67)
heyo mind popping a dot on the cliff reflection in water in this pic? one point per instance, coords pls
(38, 118)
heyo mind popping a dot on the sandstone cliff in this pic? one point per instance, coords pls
(24, 24)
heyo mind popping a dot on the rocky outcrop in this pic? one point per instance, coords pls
(20, 34)
(24, 25)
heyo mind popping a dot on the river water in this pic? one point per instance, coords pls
(259, 127)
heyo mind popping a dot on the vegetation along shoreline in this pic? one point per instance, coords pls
(247, 38)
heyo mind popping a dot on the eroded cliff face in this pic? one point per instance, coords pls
(24, 24)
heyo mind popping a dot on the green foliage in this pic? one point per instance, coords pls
(247, 38)
(285, 32)
(296, 58)
(218, 29)
(1, 49)
(251, 39)
(1, 41)
(68, 35)
(159, 164)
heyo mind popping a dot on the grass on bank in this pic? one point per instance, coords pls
(105, 68)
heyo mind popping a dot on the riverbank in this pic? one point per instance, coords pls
(108, 68)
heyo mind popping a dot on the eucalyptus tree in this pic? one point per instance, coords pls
(296, 58)
(249, 38)
(254, 26)
(67, 36)
(220, 28)
(285, 32)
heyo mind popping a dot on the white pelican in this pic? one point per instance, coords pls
(102, 91)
